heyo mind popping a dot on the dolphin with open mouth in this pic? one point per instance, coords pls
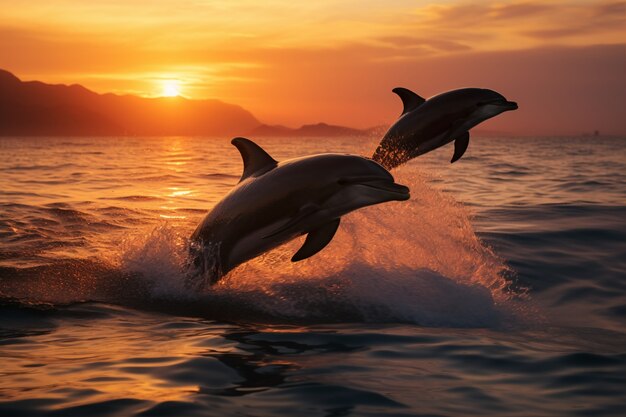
(425, 125)
(275, 202)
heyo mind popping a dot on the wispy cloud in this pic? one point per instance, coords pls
(601, 19)
(435, 45)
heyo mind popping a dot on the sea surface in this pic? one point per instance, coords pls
(498, 289)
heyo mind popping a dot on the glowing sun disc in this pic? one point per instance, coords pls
(171, 88)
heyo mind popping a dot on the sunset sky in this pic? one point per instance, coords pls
(304, 62)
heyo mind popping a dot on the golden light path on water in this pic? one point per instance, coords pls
(140, 356)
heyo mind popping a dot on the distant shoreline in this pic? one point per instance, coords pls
(34, 108)
(363, 137)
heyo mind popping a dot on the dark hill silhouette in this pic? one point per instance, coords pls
(319, 129)
(35, 108)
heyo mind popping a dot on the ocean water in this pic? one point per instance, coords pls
(499, 289)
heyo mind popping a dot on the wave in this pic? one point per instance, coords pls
(413, 263)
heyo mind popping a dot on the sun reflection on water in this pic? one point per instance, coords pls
(177, 192)
(113, 362)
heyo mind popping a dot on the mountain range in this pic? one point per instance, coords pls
(33, 108)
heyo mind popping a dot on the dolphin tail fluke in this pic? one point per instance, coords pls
(316, 240)
(460, 146)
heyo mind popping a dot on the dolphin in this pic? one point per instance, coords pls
(275, 202)
(425, 125)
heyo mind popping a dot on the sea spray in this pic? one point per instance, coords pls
(158, 256)
(418, 261)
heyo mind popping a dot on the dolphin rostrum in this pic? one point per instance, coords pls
(275, 202)
(428, 124)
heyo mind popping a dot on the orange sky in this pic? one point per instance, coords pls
(303, 62)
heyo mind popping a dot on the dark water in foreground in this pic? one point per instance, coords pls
(499, 289)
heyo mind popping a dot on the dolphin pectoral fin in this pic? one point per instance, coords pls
(410, 100)
(316, 240)
(460, 146)
(255, 159)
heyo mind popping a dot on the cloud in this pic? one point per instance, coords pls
(605, 18)
(501, 11)
(612, 9)
(433, 44)
(519, 25)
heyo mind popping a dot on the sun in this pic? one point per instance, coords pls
(171, 88)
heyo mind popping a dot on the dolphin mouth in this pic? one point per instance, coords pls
(504, 104)
(398, 191)
(510, 105)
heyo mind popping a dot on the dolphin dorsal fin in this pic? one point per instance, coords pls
(410, 100)
(255, 159)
